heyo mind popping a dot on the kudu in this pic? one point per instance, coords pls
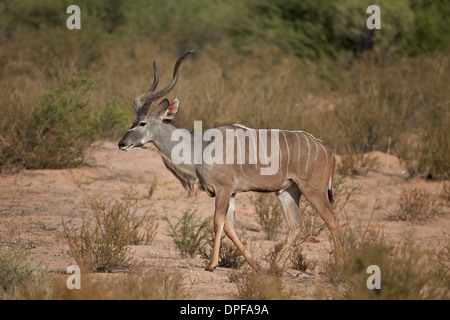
(306, 166)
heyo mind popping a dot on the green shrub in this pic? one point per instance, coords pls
(430, 31)
(269, 213)
(56, 132)
(300, 262)
(189, 233)
(21, 277)
(101, 244)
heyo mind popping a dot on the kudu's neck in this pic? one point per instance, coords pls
(162, 138)
(185, 172)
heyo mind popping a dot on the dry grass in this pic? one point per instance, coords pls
(357, 164)
(156, 283)
(442, 258)
(407, 272)
(101, 244)
(22, 277)
(416, 205)
(269, 213)
(252, 285)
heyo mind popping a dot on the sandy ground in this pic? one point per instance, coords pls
(33, 203)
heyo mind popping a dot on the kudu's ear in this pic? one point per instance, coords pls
(166, 110)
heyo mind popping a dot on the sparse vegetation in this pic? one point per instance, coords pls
(101, 243)
(56, 132)
(405, 273)
(252, 285)
(417, 205)
(156, 283)
(442, 258)
(357, 164)
(445, 193)
(270, 216)
(22, 277)
(277, 263)
(300, 262)
(229, 254)
(189, 233)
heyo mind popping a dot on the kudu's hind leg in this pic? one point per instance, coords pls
(321, 203)
(290, 200)
(231, 234)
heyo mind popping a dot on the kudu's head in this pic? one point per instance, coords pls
(147, 123)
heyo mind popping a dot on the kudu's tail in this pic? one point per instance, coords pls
(329, 192)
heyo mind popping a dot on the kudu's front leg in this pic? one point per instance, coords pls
(231, 234)
(222, 203)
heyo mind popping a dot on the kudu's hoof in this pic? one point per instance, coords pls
(210, 269)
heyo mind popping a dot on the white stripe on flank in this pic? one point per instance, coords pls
(326, 160)
(317, 151)
(309, 152)
(289, 155)
(298, 139)
(309, 134)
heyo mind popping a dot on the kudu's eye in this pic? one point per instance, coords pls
(142, 124)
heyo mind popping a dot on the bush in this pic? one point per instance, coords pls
(189, 233)
(104, 246)
(269, 213)
(276, 259)
(229, 254)
(357, 164)
(63, 124)
(435, 135)
(405, 274)
(252, 285)
(21, 277)
(416, 205)
(442, 256)
(300, 262)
